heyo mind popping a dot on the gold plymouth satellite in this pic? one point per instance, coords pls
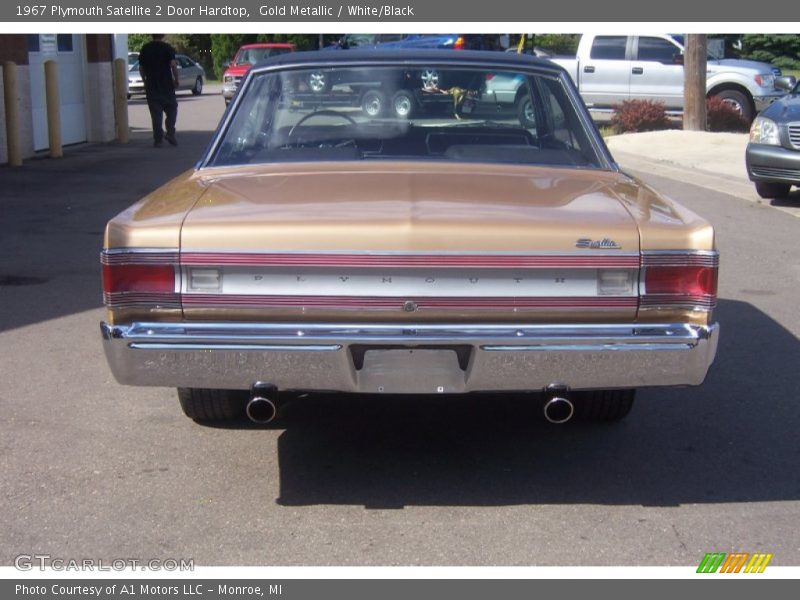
(430, 223)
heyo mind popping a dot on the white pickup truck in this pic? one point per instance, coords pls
(611, 68)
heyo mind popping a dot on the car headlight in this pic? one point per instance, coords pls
(765, 80)
(765, 131)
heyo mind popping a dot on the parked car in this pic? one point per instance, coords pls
(773, 153)
(247, 56)
(315, 247)
(611, 68)
(191, 76)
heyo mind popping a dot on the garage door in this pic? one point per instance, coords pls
(68, 50)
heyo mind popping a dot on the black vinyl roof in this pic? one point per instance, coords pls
(336, 58)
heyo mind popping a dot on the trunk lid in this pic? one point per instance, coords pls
(410, 241)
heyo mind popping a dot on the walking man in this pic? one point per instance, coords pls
(159, 71)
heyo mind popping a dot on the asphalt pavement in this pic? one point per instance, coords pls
(92, 469)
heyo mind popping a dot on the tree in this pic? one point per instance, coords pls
(781, 50)
(557, 43)
(137, 40)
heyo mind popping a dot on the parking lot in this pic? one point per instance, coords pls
(94, 469)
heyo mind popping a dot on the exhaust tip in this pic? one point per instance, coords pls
(558, 410)
(261, 410)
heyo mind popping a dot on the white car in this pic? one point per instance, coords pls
(190, 74)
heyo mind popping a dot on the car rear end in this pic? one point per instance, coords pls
(327, 257)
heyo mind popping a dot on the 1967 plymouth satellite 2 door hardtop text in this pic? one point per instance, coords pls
(397, 236)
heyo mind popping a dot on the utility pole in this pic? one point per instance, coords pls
(694, 85)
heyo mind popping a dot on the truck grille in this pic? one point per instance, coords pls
(794, 135)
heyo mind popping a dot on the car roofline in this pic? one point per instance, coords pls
(371, 56)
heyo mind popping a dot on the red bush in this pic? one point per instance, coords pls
(639, 115)
(721, 116)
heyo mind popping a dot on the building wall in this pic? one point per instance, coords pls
(98, 88)
(101, 125)
(14, 48)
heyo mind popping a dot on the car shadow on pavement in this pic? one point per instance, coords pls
(793, 199)
(53, 214)
(734, 439)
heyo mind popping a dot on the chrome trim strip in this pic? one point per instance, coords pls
(217, 347)
(680, 258)
(125, 256)
(137, 250)
(420, 302)
(401, 253)
(580, 348)
(417, 260)
(320, 356)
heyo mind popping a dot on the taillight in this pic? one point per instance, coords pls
(679, 280)
(459, 43)
(138, 278)
(690, 281)
(142, 279)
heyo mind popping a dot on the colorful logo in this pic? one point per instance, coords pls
(737, 562)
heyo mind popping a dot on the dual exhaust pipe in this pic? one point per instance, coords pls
(558, 409)
(263, 406)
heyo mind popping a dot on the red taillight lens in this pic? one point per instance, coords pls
(459, 43)
(138, 278)
(689, 280)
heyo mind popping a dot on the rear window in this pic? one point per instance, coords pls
(406, 112)
(609, 47)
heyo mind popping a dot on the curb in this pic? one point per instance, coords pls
(712, 181)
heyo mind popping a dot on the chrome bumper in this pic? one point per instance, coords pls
(401, 359)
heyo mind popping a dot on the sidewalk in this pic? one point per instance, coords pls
(710, 160)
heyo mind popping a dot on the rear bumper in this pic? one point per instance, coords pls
(453, 358)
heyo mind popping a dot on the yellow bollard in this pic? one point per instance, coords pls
(11, 99)
(53, 108)
(121, 99)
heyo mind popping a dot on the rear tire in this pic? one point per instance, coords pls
(201, 404)
(603, 405)
(373, 103)
(772, 190)
(198, 87)
(403, 104)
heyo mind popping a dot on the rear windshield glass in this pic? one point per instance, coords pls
(410, 113)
